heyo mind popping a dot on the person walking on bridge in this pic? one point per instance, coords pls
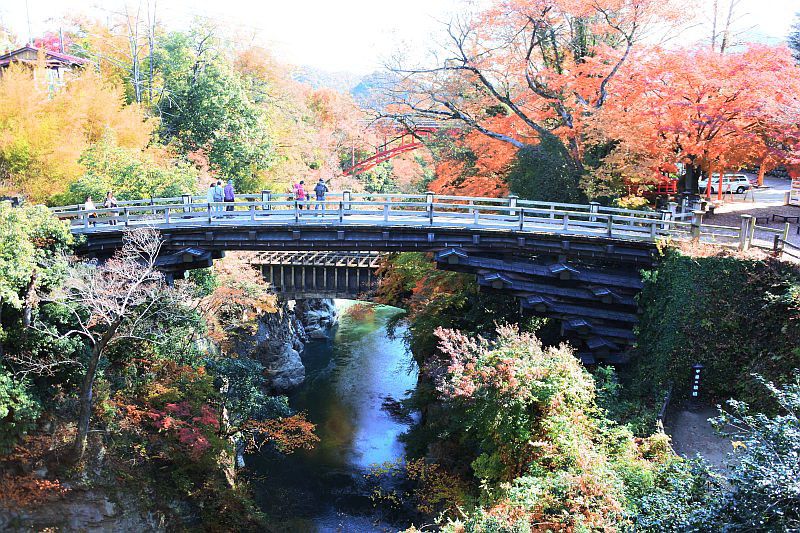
(300, 194)
(219, 194)
(210, 196)
(320, 189)
(229, 195)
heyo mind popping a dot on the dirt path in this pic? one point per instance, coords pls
(692, 434)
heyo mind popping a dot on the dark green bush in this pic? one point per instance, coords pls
(736, 317)
(545, 172)
(18, 411)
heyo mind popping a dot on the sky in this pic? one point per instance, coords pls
(333, 35)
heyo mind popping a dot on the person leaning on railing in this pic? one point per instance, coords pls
(110, 202)
(89, 207)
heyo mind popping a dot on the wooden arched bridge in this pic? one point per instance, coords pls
(577, 263)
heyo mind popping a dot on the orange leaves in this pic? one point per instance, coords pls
(286, 434)
(27, 490)
(715, 110)
(481, 173)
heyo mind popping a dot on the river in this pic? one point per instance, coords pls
(348, 376)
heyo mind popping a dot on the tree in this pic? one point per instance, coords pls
(794, 38)
(109, 302)
(207, 107)
(546, 457)
(18, 411)
(43, 134)
(522, 69)
(764, 491)
(131, 174)
(712, 112)
(32, 247)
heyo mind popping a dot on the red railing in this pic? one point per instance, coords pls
(407, 142)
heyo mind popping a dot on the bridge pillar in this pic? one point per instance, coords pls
(512, 202)
(673, 208)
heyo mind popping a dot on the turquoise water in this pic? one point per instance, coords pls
(348, 377)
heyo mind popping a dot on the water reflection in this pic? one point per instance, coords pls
(347, 379)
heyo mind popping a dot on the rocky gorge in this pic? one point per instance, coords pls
(279, 338)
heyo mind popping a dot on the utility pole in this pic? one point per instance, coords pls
(28, 17)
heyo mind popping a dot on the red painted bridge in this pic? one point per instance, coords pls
(408, 140)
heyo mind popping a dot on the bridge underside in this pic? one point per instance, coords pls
(587, 283)
(299, 275)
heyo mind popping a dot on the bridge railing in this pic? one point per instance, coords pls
(509, 214)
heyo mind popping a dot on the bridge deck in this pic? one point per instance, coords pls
(419, 211)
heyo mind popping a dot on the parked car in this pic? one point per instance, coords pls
(737, 183)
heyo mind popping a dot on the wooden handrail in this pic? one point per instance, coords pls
(507, 214)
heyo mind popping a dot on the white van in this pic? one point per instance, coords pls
(737, 183)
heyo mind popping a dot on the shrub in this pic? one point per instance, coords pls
(544, 173)
(18, 411)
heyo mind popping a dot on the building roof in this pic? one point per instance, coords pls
(51, 58)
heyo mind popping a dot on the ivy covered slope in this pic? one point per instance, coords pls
(735, 316)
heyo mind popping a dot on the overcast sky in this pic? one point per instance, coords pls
(334, 35)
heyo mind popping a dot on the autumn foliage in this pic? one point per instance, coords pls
(44, 131)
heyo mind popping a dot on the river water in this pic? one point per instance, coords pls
(348, 377)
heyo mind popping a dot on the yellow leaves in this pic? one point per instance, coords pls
(737, 444)
(43, 135)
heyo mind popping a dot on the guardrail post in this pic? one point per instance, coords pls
(512, 202)
(386, 212)
(610, 225)
(673, 209)
(697, 221)
(252, 212)
(780, 239)
(429, 205)
(594, 207)
(566, 221)
(296, 211)
(166, 215)
(341, 213)
(787, 197)
(744, 232)
(187, 202)
(666, 216)
(475, 214)
(209, 212)
(126, 213)
(346, 195)
(521, 219)
(266, 198)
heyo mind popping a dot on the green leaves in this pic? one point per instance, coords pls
(31, 240)
(210, 109)
(131, 174)
(18, 411)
